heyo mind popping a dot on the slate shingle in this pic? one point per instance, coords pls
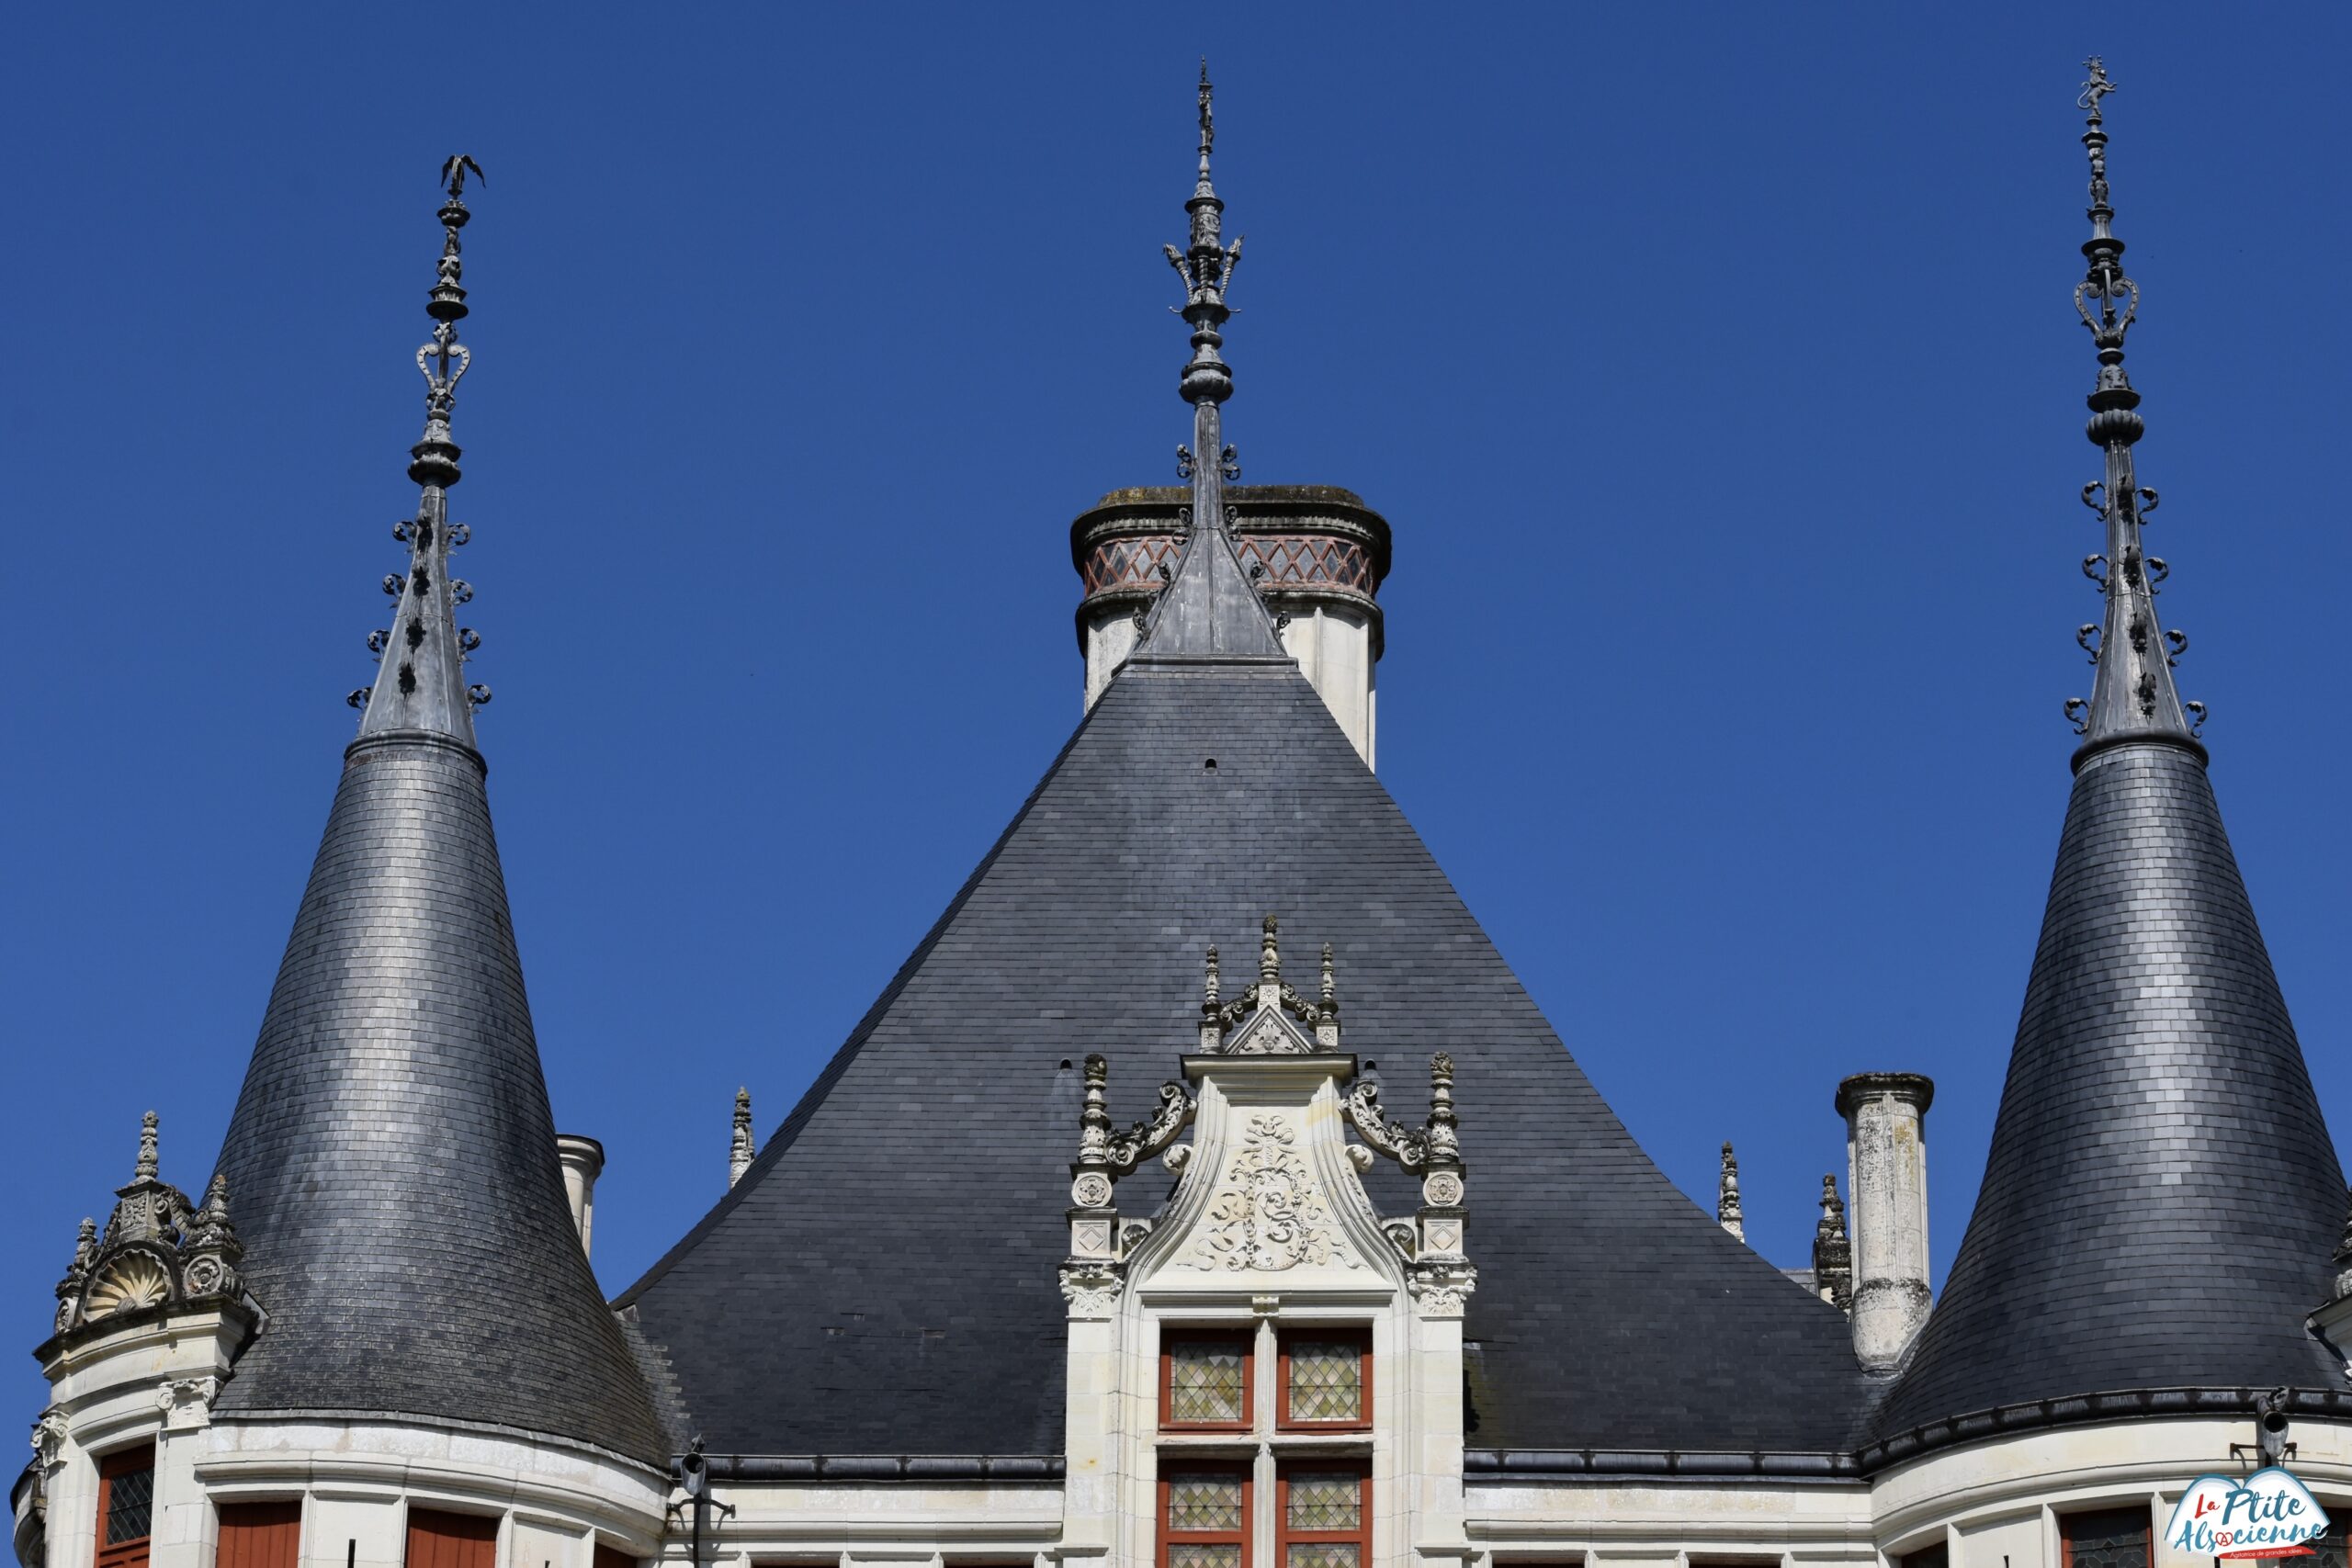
(883, 1279)
(391, 1161)
(2162, 1195)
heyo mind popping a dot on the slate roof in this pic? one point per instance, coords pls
(391, 1161)
(2162, 1195)
(882, 1281)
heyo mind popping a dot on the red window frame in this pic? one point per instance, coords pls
(1244, 1339)
(1181, 1463)
(1283, 1418)
(131, 1550)
(1362, 1534)
(2069, 1523)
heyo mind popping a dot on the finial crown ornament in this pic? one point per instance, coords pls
(1833, 1250)
(2132, 693)
(1271, 1017)
(1728, 1213)
(742, 1149)
(420, 684)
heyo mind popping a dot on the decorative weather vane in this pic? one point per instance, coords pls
(2132, 695)
(1206, 266)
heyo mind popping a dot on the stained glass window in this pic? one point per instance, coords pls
(1211, 1501)
(1323, 1554)
(1204, 1555)
(2112, 1538)
(1326, 1379)
(1326, 1502)
(1207, 1381)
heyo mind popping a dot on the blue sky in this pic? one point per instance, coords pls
(1716, 366)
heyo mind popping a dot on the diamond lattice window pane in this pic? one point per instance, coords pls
(130, 1502)
(1323, 1554)
(1326, 1502)
(1325, 1379)
(1204, 1381)
(1183, 1555)
(1205, 1501)
(2115, 1538)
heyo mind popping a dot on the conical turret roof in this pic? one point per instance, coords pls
(2161, 1197)
(393, 1158)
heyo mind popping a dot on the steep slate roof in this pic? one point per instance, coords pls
(391, 1163)
(883, 1279)
(2162, 1195)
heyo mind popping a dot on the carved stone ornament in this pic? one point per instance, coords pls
(1090, 1190)
(187, 1401)
(1091, 1291)
(49, 1441)
(1441, 1190)
(1271, 1018)
(1268, 1214)
(158, 1248)
(1441, 1290)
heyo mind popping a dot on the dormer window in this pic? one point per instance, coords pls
(1325, 1379)
(1204, 1381)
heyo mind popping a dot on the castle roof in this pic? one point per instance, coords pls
(392, 1156)
(882, 1281)
(2162, 1198)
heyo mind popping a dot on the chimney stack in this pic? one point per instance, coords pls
(1886, 1172)
(582, 1160)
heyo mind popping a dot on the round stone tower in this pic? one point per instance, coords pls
(1316, 552)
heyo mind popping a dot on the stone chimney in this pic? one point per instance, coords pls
(1317, 554)
(582, 1160)
(1886, 1172)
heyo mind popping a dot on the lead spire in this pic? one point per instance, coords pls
(2132, 696)
(420, 684)
(1209, 606)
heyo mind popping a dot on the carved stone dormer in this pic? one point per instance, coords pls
(159, 1252)
(1269, 1239)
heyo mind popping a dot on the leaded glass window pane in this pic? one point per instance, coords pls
(1205, 1501)
(1204, 1381)
(2113, 1537)
(1326, 1502)
(1323, 1554)
(1325, 1379)
(1181, 1554)
(2328, 1552)
(130, 1499)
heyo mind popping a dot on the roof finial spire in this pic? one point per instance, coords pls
(2132, 696)
(1211, 600)
(421, 686)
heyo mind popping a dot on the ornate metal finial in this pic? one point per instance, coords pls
(1833, 1250)
(2132, 696)
(420, 684)
(742, 1147)
(1728, 1213)
(1207, 265)
(150, 1164)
